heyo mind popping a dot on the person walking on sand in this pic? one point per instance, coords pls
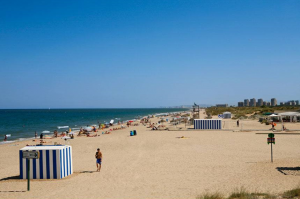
(5, 138)
(273, 125)
(238, 123)
(98, 157)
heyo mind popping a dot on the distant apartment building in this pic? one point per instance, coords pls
(268, 103)
(253, 102)
(246, 102)
(273, 102)
(240, 104)
(289, 103)
(221, 105)
(260, 102)
(292, 103)
(281, 103)
(265, 103)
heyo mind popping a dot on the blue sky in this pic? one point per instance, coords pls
(68, 54)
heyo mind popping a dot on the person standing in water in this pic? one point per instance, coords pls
(35, 135)
(98, 157)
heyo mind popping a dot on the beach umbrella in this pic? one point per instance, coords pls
(267, 113)
(130, 121)
(88, 128)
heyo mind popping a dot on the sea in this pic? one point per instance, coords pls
(20, 124)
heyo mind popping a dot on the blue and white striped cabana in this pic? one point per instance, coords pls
(207, 124)
(55, 162)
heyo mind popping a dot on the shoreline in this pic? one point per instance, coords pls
(60, 129)
(162, 164)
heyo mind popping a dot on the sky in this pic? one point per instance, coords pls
(133, 54)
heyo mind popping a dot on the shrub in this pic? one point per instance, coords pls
(293, 193)
(240, 194)
(210, 196)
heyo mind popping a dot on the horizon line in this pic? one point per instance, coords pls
(87, 108)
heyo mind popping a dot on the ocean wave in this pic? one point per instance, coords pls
(7, 142)
(23, 132)
(22, 139)
(63, 127)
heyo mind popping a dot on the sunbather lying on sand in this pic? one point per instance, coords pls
(62, 134)
(89, 135)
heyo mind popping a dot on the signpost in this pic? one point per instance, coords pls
(30, 155)
(271, 140)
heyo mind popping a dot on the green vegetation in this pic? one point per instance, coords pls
(294, 193)
(210, 196)
(242, 193)
(243, 111)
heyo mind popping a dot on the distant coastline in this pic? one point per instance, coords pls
(22, 124)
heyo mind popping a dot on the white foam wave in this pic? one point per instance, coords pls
(63, 127)
(6, 142)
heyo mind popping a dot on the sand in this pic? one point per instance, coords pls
(157, 164)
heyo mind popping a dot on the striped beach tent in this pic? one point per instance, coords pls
(207, 124)
(55, 162)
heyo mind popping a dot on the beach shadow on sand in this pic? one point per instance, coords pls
(295, 171)
(88, 172)
(11, 178)
(12, 191)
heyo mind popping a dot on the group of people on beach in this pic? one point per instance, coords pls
(156, 127)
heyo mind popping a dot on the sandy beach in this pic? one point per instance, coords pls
(216, 78)
(158, 164)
